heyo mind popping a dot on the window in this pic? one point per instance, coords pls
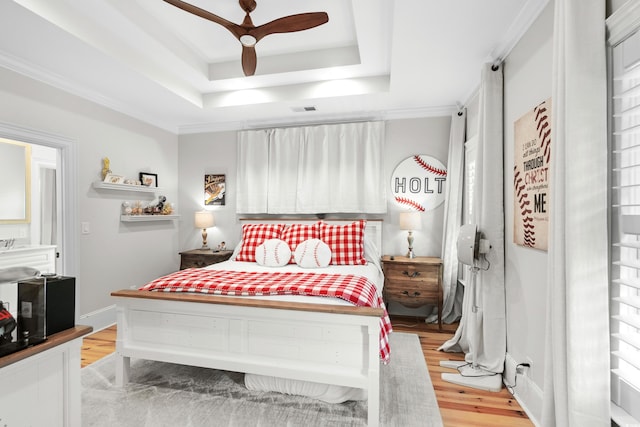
(625, 231)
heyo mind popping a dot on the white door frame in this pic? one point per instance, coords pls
(67, 166)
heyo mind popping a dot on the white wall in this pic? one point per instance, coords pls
(215, 153)
(527, 82)
(114, 255)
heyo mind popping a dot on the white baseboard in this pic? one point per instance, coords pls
(99, 319)
(525, 391)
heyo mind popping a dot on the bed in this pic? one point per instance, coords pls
(292, 337)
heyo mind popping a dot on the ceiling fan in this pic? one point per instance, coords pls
(248, 34)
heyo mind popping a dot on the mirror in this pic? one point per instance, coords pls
(15, 179)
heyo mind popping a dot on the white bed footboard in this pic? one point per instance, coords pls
(312, 342)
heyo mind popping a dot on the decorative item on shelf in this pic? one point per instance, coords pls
(113, 179)
(167, 209)
(137, 208)
(105, 168)
(410, 221)
(149, 179)
(221, 247)
(126, 208)
(204, 219)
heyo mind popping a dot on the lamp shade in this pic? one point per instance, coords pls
(410, 221)
(204, 219)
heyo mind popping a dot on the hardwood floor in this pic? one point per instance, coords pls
(459, 406)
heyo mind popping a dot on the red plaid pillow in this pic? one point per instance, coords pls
(253, 235)
(298, 233)
(345, 241)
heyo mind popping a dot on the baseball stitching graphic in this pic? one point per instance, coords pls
(426, 166)
(544, 131)
(525, 212)
(418, 183)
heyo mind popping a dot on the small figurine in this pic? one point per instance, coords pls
(126, 208)
(222, 246)
(160, 205)
(105, 167)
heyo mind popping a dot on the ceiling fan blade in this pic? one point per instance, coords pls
(235, 29)
(289, 24)
(249, 60)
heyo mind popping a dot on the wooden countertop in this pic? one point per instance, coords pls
(51, 342)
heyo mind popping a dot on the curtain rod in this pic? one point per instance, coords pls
(313, 123)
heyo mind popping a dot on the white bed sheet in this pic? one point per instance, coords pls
(325, 392)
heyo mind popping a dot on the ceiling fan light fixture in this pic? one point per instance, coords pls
(286, 24)
(248, 40)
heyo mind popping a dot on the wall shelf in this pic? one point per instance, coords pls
(143, 218)
(125, 187)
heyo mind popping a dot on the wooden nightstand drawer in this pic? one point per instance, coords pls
(198, 258)
(410, 295)
(413, 282)
(427, 274)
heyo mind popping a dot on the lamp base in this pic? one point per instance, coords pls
(410, 254)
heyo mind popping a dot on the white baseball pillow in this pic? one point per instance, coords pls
(312, 253)
(273, 253)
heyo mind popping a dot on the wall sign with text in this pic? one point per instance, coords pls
(532, 136)
(418, 183)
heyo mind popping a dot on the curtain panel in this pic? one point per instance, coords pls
(315, 169)
(452, 304)
(482, 330)
(577, 377)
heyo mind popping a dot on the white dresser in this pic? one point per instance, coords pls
(41, 384)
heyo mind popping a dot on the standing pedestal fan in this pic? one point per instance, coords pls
(470, 248)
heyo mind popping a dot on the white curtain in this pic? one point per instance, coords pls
(482, 330)
(576, 387)
(334, 168)
(283, 164)
(452, 304)
(253, 171)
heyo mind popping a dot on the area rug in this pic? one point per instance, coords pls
(164, 394)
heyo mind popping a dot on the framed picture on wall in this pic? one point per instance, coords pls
(149, 179)
(215, 190)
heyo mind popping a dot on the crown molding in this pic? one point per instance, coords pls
(529, 13)
(34, 72)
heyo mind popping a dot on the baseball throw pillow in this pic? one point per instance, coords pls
(312, 253)
(273, 253)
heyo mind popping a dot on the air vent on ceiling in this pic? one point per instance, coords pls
(303, 109)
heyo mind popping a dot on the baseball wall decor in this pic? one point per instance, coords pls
(418, 183)
(215, 190)
(532, 136)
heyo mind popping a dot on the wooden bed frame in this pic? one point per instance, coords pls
(329, 344)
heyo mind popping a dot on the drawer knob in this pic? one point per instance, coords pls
(415, 294)
(412, 275)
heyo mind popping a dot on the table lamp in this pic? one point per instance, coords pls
(204, 220)
(410, 221)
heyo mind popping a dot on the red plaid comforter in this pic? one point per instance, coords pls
(354, 289)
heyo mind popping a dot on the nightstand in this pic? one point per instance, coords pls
(413, 282)
(197, 258)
